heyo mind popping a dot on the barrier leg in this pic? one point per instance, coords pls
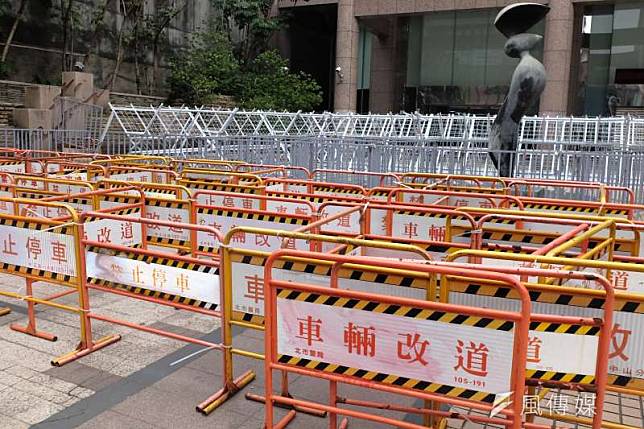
(333, 402)
(288, 418)
(230, 389)
(4, 311)
(30, 329)
(231, 385)
(87, 344)
(285, 393)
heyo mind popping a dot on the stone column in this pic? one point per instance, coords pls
(383, 68)
(346, 57)
(557, 56)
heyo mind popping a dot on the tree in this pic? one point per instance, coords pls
(270, 85)
(206, 67)
(98, 28)
(156, 25)
(20, 14)
(249, 25)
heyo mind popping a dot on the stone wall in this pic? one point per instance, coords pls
(6, 114)
(12, 95)
(37, 49)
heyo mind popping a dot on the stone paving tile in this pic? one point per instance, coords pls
(16, 353)
(26, 375)
(85, 376)
(114, 420)
(157, 408)
(25, 406)
(193, 322)
(7, 422)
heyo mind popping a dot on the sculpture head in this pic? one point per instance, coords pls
(520, 43)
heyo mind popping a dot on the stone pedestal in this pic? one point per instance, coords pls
(32, 118)
(78, 85)
(41, 96)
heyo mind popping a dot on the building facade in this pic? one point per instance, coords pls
(446, 55)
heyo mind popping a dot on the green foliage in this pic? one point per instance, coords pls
(215, 62)
(207, 66)
(5, 70)
(5, 7)
(251, 20)
(269, 85)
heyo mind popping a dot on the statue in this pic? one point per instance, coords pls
(528, 81)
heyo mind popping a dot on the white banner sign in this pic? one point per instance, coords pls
(176, 281)
(175, 215)
(576, 355)
(413, 227)
(348, 224)
(12, 168)
(289, 207)
(228, 201)
(243, 240)
(42, 250)
(123, 233)
(450, 354)
(138, 176)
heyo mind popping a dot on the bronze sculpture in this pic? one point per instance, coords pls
(528, 81)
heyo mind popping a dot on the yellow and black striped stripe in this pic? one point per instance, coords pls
(626, 382)
(318, 199)
(218, 186)
(576, 300)
(544, 376)
(348, 191)
(120, 198)
(117, 211)
(158, 190)
(166, 203)
(531, 237)
(167, 242)
(561, 208)
(413, 281)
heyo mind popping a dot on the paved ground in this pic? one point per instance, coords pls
(145, 381)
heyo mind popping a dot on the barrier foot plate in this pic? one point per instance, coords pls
(221, 396)
(4, 311)
(259, 398)
(80, 352)
(31, 330)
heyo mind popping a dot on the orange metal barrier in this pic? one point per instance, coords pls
(281, 353)
(254, 202)
(182, 282)
(384, 179)
(41, 249)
